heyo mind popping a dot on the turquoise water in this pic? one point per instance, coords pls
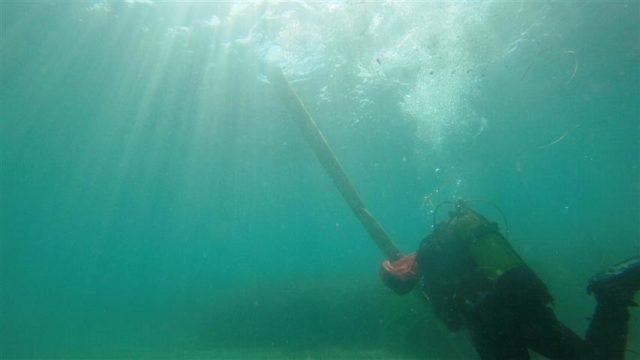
(157, 201)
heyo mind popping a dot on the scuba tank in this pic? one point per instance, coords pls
(488, 248)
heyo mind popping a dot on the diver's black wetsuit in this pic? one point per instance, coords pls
(510, 315)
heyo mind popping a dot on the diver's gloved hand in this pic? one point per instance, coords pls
(402, 275)
(618, 283)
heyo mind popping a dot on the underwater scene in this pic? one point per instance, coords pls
(216, 180)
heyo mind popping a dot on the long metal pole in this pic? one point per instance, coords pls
(325, 155)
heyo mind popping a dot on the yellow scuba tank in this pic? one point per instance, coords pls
(489, 249)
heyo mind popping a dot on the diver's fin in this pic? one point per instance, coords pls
(620, 280)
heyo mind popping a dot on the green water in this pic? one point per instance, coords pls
(156, 200)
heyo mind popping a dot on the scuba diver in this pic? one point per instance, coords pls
(475, 280)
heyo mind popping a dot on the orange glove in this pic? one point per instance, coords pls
(402, 275)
